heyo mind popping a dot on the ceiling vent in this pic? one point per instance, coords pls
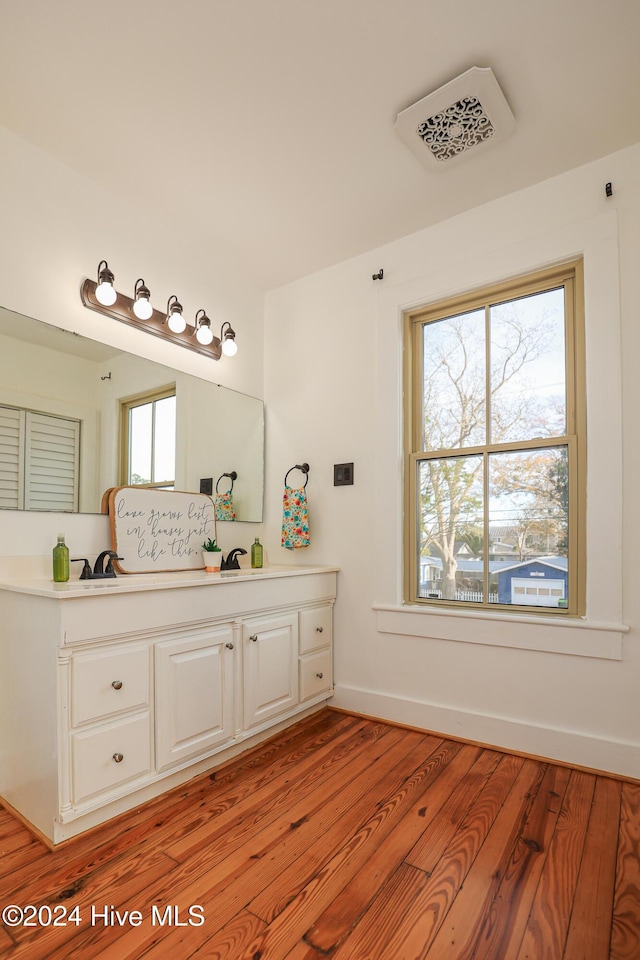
(466, 115)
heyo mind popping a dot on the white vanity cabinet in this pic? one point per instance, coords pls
(270, 648)
(287, 660)
(316, 651)
(194, 695)
(110, 758)
(113, 692)
(109, 730)
(109, 681)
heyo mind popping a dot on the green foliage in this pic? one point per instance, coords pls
(211, 546)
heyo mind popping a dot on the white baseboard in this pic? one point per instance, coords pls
(564, 746)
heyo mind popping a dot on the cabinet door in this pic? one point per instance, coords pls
(194, 696)
(270, 648)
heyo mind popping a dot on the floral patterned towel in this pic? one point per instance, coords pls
(223, 506)
(295, 518)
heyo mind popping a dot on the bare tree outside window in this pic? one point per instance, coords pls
(492, 460)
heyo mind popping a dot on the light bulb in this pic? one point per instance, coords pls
(105, 291)
(106, 294)
(142, 301)
(176, 322)
(143, 309)
(228, 338)
(204, 334)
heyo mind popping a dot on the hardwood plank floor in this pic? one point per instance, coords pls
(347, 838)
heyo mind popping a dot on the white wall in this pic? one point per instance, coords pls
(56, 227)
(333, 389)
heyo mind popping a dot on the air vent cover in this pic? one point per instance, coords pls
(467, 114)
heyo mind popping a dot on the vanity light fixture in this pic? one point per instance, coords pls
(138, 312)
(142, 300)
(175, 320)
(105, 291)
(202, 330)
(229, 345)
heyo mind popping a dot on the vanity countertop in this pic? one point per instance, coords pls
(143, 582)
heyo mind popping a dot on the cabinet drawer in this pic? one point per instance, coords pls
(109, 755)
(108, 682)
(314, 628)
(315, 675)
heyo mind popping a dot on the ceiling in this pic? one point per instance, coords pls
(265, 128)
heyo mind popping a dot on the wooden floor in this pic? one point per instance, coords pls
(344, 838)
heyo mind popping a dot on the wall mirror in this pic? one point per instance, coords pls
(61, 398)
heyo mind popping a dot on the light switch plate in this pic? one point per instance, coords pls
(342, 474)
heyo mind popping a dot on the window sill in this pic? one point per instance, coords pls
(573, 636)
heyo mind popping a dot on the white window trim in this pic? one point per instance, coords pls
(126, 405)
(599, 633)
(574, 636)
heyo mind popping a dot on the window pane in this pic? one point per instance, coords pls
(528, 368)
(528, 526)
(165, 440)
(450, 528)
(140, 427)
(454, 384)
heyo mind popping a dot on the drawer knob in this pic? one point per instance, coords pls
(254, 637)
(118, 757)
(319, 676)
(116, 684)
(229, 646)
(319, 629)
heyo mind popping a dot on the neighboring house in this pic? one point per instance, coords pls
(469, 575)
(498, 549)
(537, 583)
(460, 549)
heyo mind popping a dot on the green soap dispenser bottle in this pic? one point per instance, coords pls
(256, 554)
(60, 561)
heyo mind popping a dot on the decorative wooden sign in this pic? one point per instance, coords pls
(156, 531)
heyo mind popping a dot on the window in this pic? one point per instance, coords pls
(148, 439)
(495, 447)
(39, 461)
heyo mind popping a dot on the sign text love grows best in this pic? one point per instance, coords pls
(159, 530)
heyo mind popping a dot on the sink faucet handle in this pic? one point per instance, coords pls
(86, 569)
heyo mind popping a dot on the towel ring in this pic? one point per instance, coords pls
(232, 476)
(299, 466)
